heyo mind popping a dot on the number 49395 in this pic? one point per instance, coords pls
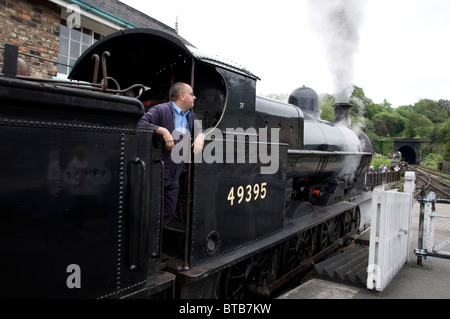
(247, 193)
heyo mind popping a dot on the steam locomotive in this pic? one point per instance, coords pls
(81, 184)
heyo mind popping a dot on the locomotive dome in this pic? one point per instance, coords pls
(307, 100)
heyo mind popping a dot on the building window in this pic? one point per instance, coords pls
(72, 43)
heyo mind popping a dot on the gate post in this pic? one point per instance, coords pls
(410, 187)
(421, 225)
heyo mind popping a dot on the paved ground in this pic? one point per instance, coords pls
(429, 281)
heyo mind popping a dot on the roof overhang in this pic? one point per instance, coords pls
(135, 50)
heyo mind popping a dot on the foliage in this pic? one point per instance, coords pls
(326, 108)
(435, 111)
(381, 122)
(283, 97)
(404, 110)
(376, 162)
(388, 123)
(383, 145)
(442, 133)
(432, 160)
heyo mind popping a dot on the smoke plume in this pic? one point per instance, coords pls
(337, 22)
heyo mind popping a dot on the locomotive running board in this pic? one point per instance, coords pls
(291, 228)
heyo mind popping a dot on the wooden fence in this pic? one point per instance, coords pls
(379, 179)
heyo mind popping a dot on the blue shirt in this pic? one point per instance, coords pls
(181, 122)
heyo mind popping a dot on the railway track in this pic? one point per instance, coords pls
(432, 180)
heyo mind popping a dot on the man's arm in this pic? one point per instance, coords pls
(198, 143)
(153, 116)
(166, 136)
(199, 136)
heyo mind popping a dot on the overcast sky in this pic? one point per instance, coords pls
(396, 50)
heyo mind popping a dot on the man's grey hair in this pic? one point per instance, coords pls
(176, 90)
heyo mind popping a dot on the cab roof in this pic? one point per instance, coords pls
(134, 53)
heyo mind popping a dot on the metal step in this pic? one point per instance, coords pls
(348, 267)
(359, 260)
(358, 274)
(320, 267)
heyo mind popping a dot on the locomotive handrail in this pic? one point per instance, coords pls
(11, 55)
(188, 219)
(160, 161)
(85, 85)
(134, 258)
(310, 152)
(240, 133)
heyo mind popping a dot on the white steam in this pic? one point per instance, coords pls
(361, 120)
(337, 22)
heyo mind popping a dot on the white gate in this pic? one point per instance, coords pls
(390, 233)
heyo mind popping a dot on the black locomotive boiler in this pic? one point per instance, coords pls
(81, 182)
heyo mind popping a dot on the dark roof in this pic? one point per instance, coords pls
(133, 49)
(133, 16)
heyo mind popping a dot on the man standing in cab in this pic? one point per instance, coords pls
(175, 118)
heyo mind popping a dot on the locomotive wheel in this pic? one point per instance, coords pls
(296, 249)
(241, 281)
(356, 221)
(328, 233)
(346, 223)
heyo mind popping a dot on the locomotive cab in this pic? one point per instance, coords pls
(226, 95)
(157, 60)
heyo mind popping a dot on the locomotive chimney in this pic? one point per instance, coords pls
(341, 113)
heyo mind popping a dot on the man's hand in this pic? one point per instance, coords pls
(198, 143)
(166, 136)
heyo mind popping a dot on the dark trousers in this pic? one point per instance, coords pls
(171, 185)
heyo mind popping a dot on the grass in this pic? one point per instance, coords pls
(432, 160)
(376, 162)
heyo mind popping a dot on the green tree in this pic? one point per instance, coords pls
(372, 110)
(410, 129)
(443, 136)
(359, 93)
(424, 126)
(283, 97)
(404, 110)
(436, 111)
(391, 122)
(381, 128)
(326, 102)
(365, 105)
(418, 126)
(387, 106)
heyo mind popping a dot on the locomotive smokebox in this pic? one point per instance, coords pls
(341, 113)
